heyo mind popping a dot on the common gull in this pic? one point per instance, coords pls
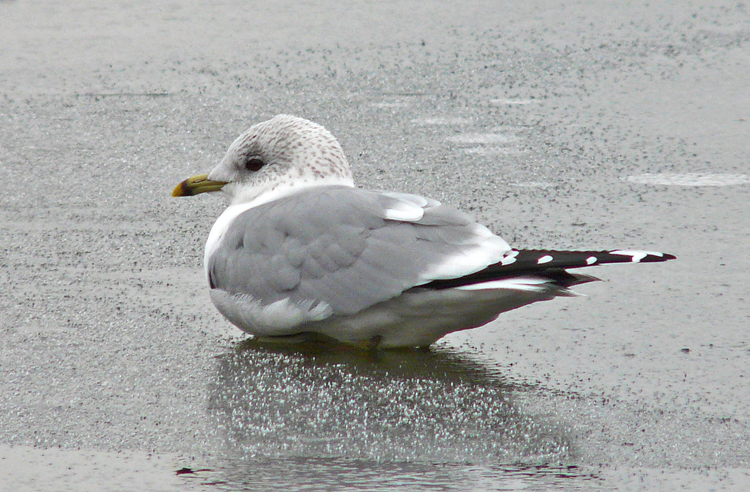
(301, 252)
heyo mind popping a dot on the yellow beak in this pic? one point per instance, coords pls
(197, 184)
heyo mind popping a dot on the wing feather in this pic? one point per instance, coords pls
(348, 248)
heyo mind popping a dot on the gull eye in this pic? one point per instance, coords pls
(254, 164)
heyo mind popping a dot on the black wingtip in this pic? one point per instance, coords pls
(552, 264)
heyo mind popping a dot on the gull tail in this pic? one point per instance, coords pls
(531, 269)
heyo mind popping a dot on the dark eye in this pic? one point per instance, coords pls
(254, 164)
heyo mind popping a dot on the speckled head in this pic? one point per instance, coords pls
(279, 157)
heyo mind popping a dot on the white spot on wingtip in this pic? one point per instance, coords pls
(544, 259)
(591, 260)
(637, 255)
(509, 258)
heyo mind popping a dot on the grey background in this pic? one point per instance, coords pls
(116, 370)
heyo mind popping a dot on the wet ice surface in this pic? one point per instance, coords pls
(400, 406)
(614, 134)
(690, 179)
(332, 418)
(338, 475)
(388, 418)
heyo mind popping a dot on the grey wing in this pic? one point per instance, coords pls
(347, 248)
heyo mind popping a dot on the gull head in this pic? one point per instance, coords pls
(273, 159)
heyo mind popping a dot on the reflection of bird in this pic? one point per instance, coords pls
(300, 250)
(429, 406)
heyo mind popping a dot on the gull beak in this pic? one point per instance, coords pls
(197, 184)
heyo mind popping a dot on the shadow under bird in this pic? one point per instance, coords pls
(301, 252)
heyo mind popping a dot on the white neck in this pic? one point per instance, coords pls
(258, 195)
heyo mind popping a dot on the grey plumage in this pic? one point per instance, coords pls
(335, 245)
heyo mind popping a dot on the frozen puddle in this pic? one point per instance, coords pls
(442, 121)
(487, 144)
(533, 184)
(492, 151)
(481, 139)
(690, 179)
(510, 102)
(389, 104)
